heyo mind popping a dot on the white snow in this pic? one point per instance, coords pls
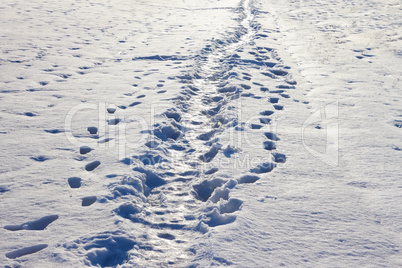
(200, 133)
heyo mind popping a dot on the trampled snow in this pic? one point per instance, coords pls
(200, 133)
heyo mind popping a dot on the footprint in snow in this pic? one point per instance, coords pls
(25, 251)
(214, 218)
(40, 158)
(248, 179)
(273, 100)
(266, 113)
(279, 158)
(265, 121)
(39, 224)
(30, 114)
(135, 103)
(87, 201)
(247, 87)
(211, 171)
(255, 126)
(232, 205)
(92, 130)
(74, 182)
(271, 136)
(3, 189)
(263, 168)
(54, 131)
(106, 249)
(398, 123)
(105, 140)
(166, 236)
(85, 149)
(111, 110)
(91, 166)
(208, 156)
(114, 121)
(228, 151)
(204, 190)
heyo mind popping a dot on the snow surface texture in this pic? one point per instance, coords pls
(201, 133)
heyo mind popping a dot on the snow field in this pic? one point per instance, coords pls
(135, 135)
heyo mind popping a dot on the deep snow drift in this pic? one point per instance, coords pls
(200, 133)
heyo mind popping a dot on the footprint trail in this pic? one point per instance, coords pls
(178, 187)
